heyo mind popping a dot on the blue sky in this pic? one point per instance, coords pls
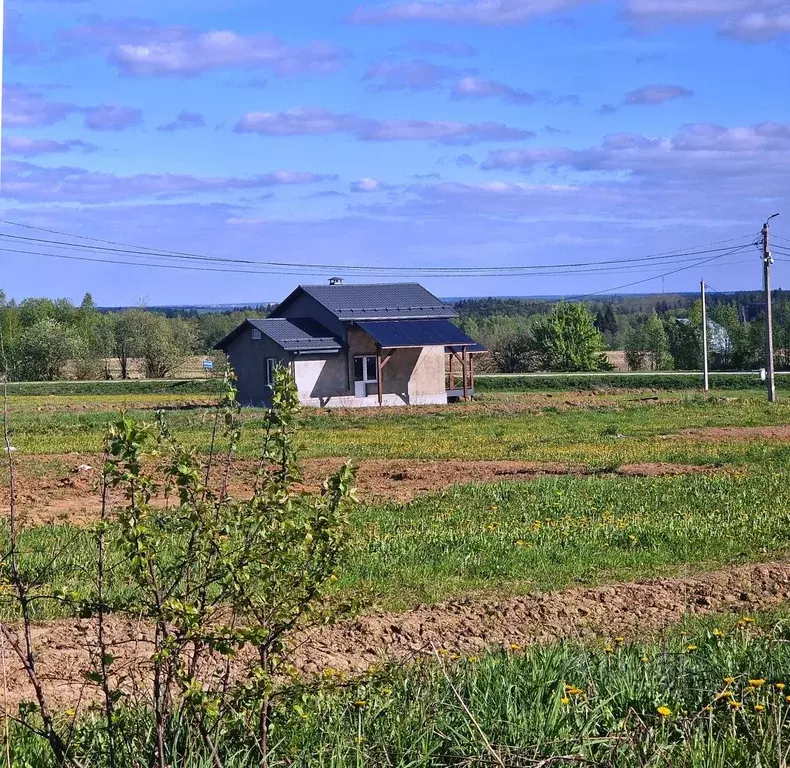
(409, 133)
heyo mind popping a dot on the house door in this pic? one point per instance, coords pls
(365, 372)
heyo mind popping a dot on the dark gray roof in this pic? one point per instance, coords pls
(394, 334)
(292, 334)
(376, 301)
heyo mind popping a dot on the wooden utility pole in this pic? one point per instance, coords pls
(705, 378)
(769, 329)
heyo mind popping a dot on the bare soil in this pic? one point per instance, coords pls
(53, 491)
(63, 648)
(727, 434)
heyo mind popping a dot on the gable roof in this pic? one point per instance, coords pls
(301, 335)
(374, 301)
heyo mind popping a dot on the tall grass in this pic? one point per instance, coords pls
(714, 697)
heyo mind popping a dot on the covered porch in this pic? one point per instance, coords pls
(460, 371)
(447, 339)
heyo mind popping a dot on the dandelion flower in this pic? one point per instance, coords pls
(565, 701)
(724, 695)
(729, 680)
(691, 647)
(645, 659)
(608, 649)
(664, 711)
(747, 620)
(756, 682)
(759, 708)
(780, 686)
(734, 704)
(515, 647)
(473, 659)
(717, 632)
(619, 640)
(787, 699)
(360, 704)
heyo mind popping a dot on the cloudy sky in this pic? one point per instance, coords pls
(415, 133)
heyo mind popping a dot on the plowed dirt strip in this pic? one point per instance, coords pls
(468, 626)
(56, 494)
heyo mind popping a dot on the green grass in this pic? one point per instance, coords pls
(509, 538)
(594, 435)
(614, 380)
(129, 387)
(650, 704)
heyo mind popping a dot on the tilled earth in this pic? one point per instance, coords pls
(63, 648)
(54, 494)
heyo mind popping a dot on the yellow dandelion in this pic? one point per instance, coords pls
(360, 704)
(520, 543)
(717, 632)
(691, 647)
(734, 704)
(759, 708)
(608, 649)
(724, 695)
(515, 647)
(473, 659)
(747, 620)
(729, 680)
(756, 682)
(664, 711)
(565, 701)
(645, 659)
(780, 686)
(619, 640)
(787, 699)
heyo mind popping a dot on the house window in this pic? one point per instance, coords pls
(271, 364)
(365, 369)
(256, 334)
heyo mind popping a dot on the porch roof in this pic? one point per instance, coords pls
(400, 334)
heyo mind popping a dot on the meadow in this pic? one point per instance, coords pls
(650, 702)
(709, 693)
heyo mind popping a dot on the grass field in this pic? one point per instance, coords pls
(501, 538)
(711, 693)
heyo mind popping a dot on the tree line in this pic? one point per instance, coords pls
(656, 334)
(47, 339)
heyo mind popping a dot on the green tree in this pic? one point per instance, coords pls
(44, 348)
(125, 335)
(567, 340)
(657, 344)
(514, 352)
(164, 344)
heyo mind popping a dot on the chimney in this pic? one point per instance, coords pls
(335, 281)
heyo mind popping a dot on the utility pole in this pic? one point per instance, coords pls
(705, 378)
(769, 329)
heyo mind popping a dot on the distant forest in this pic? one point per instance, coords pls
(45, 339)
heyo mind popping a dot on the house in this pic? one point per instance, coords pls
(354, 346)
(718, 339)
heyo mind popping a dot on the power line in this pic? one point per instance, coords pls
(657, 277)
(225, 270)
(144, 252)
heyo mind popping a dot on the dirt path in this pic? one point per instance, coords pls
(466, 626)
(52, 493)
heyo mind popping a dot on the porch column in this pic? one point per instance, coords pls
(463, 373)
(472, 371)
(379, 374)
(452, 377)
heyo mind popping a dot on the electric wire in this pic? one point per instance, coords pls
(649, 279)
(145, 252)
